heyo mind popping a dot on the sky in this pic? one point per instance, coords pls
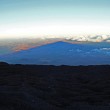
(32, 18)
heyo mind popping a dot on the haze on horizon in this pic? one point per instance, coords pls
(57, 18)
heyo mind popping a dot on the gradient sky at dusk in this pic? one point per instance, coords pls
(53, 17)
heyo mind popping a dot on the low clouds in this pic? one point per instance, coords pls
(90, 38)
(106, 49)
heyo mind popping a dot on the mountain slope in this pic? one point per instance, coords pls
(59, 53)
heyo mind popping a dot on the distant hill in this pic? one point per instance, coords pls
(59, 53)
(3, 64)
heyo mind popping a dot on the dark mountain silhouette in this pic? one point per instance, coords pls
(36, 87)
(3, 64)
(59, 53)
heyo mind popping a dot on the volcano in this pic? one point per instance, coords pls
(59, 53)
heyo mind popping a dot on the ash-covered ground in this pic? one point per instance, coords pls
(37, 87)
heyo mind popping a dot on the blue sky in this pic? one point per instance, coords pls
(39, 17)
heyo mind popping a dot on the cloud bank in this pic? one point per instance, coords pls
(90, 38)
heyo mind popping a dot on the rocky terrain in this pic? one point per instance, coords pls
(47, 87)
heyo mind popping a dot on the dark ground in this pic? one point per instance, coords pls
(32, 87)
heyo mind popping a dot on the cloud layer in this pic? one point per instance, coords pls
(90, 38)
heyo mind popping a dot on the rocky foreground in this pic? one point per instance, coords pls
(35, 87)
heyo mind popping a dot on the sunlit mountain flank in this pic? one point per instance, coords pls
(13, 45)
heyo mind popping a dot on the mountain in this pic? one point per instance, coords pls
(60, 53)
